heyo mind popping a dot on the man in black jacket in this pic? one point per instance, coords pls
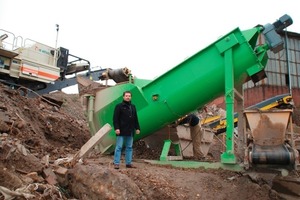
(126, 124)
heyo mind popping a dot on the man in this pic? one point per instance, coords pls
(196, 133)
(126, 124)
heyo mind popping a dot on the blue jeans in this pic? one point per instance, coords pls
(128, 149)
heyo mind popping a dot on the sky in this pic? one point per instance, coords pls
(148, 37)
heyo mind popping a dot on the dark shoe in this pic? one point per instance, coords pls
(117, 166)
(130, 166)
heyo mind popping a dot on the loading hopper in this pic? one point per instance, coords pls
(268, 128)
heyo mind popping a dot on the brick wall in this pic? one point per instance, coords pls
(260, 93)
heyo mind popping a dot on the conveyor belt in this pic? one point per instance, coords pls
(277, 155)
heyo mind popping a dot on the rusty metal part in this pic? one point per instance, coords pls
(118, 75)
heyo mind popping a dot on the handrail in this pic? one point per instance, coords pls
(12, 39)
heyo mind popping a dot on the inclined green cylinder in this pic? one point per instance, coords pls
(188, 86)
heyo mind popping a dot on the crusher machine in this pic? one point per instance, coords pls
(38, 69)
(220, 69)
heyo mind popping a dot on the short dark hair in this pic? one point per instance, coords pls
(126, 92)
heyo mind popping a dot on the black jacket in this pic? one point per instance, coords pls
(125, 118)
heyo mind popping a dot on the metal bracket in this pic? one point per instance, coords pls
(166, 148)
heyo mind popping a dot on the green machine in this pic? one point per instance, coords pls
(215, 71)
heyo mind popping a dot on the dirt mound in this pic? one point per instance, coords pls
(39, 136)
(41, 125)
(32, 129)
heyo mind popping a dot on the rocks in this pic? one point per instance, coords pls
(93, 181)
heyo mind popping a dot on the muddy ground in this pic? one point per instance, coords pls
(39, 138)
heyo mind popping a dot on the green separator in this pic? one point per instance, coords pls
(214, 71)
(185, 88)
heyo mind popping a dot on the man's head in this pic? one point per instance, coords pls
(127, 96)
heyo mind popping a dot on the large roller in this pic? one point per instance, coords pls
(273, 155)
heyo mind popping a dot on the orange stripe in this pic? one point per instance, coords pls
(24, 69)
(44, 74)
(39, 73)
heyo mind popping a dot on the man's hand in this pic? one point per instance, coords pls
(137, 131)
(117, 131)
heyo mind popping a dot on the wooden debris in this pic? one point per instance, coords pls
(91, 143)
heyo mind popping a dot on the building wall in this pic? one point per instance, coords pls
(255, 95)
(258, 94)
